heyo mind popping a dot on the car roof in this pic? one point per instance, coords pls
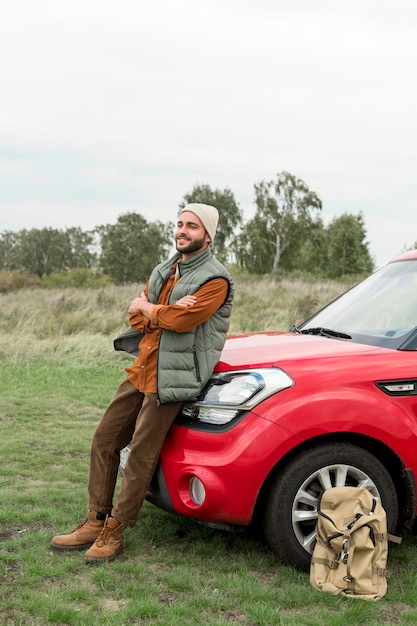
(405, 256)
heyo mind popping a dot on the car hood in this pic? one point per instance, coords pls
(278, 349)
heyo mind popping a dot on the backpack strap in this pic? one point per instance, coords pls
(384, 536)
(380, 571)
(335, 505)
(330, 563)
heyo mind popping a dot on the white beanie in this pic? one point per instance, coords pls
(208, 216)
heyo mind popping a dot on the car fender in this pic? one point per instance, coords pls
(361, 411)
(220, 460)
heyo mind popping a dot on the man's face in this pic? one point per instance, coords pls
(190, 235)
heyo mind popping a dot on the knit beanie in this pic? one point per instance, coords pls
(208, 216)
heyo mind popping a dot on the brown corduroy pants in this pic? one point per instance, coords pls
(130, 416)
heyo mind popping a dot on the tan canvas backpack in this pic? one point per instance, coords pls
(351, 551)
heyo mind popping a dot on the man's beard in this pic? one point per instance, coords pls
(193, 246)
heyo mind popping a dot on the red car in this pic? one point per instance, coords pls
(288, 414)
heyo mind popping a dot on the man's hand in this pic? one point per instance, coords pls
(140, 305)
(187, 300)
(143, 306)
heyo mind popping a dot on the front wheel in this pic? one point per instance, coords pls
(290, 514)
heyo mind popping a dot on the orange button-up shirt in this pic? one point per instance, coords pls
(210, 297)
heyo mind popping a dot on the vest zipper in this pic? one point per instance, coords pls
(196, 365)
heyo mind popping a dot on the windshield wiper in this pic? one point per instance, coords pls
(320, 330)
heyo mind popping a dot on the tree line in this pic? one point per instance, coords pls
(286, 234)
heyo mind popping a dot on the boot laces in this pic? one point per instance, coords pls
(83, 523)
(105, 534)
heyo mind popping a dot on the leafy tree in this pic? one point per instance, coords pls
(10, 250)
(253, 247)
(47, 250)
(132, 247)
(308, 255)
(43, 251)
(230, 215)
(347, 250)
(286, 211)
(81, 246)
(407, 248)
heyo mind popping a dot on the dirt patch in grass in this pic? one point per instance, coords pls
(113, 605)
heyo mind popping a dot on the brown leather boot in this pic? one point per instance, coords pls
(83, 536)
(108, 545)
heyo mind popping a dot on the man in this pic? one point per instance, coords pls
(184, 315)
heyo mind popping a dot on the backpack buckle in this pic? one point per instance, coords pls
(344, 555)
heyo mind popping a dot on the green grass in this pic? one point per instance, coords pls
(53, 389)
(173, 571)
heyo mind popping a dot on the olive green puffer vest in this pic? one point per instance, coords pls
(187, 360)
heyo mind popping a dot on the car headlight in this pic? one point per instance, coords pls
(229, 393)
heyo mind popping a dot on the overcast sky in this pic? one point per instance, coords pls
(108, 107)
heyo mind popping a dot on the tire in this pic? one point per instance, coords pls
(290, 514)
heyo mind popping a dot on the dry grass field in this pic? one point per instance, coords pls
(81, 323)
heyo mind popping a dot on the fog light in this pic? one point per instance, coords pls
(197, 491)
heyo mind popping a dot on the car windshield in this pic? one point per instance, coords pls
(380, 311)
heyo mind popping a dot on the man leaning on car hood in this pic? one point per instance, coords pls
(184, 315)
